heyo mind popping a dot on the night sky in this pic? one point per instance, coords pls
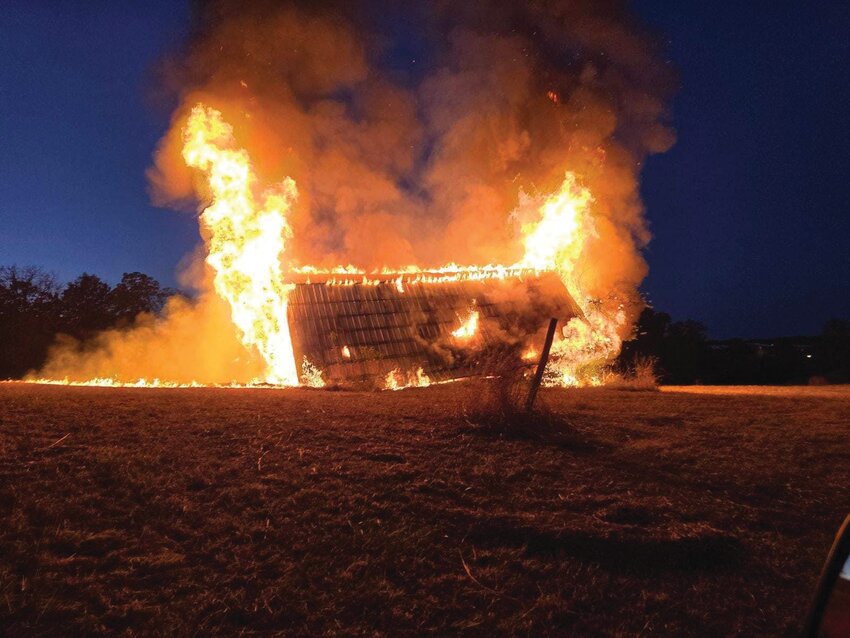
(750, 210)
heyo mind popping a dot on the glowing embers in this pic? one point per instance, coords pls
(468, 326)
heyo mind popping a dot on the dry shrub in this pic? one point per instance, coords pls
(641, 377)
(499, 408)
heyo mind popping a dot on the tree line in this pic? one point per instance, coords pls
(35, 308)
(684, 355)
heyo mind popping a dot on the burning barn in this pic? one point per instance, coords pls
(333, 191)
(404, 333)
(301, 325)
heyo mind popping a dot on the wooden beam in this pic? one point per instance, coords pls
(541, 365)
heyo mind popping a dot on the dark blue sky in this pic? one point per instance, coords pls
(77, 130)
(750, 209)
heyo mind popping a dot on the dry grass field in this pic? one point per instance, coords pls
(254, 512)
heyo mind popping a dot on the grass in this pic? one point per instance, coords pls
(641, 377)
(227, 512)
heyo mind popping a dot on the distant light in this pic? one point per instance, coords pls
(808, 356)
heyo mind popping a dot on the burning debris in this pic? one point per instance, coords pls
(311, 376)
(308, 154)
(395, 380)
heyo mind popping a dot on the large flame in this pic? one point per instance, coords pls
(555, 241)
(247, 240)
(246, 234)
(247, 245)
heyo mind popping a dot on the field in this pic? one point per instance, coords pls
(250, 512)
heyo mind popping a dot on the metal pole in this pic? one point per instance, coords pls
(541, 365)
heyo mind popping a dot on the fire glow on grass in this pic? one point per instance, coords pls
(246, 232)
(108, 382)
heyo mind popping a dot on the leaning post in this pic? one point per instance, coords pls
(541, 365)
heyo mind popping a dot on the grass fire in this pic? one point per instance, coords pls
(399, 367)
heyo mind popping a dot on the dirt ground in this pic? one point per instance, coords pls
(253, 512)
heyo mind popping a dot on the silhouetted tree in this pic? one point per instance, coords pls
(681, 348)
(650, 331)
(85, 306)
(784, 364)
(737, 361)
(33, 310)
(684, 355)
(685, 352)
(647, 342)
(28, 318)
(137, 293)
(834, 351)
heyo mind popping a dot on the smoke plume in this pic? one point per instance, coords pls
(414, 130)
(404, 161)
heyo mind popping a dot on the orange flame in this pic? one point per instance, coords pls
(555, 242)
(311, 375)
(468, 327)
(247, 233)
(392, 380)
(395, 380)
